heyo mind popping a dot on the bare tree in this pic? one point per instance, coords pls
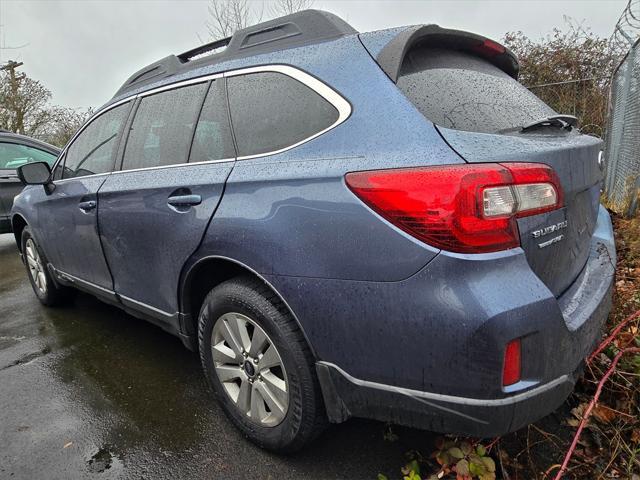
(23, 101)
(228, 16)
(25, 108)
(65, 123)
(570, 69)
(279, 8)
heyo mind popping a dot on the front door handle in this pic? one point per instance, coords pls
(184, 200)
(88, 205)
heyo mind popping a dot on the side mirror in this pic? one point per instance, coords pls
(36, 173)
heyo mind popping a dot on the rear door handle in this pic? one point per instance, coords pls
(88, 205)
(184, 200)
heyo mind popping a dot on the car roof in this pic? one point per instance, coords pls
(299, 29)
(7, 136)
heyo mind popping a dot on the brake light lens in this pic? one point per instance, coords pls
(511, 371)
(468, 208)
(489, 48)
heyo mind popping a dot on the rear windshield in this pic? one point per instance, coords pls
(464, 92)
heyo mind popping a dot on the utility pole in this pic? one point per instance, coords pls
(3, 43)
(15, 78)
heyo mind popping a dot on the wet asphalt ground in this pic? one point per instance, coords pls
(87, 391)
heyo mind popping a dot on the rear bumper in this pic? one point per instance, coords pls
(464, 395)
(346, 396)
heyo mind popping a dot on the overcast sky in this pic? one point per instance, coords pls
(84, 50)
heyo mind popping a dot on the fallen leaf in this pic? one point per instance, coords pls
(635, 435)
(578, 412)
(604, 414)
(573, 422)
(625, 339)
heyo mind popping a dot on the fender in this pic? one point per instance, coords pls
(184, 290)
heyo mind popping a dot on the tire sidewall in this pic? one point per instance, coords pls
(248, 302)
(43, 297)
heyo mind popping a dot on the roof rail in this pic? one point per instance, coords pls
(202, 49)
(298, 29)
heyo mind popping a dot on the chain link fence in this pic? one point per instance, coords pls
(622, 142)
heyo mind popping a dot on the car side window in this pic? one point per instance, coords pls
(162, 128)
(12, 155)
(94, 150)
(212, 140)
(271, 111)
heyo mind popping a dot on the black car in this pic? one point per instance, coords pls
(16, 150)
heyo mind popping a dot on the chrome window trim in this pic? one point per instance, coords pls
(183, 83)
(93, 175)
(325, 91)
(143, 169)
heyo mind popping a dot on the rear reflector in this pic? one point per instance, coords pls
(512, 363)
(468, 208)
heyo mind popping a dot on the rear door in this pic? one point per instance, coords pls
(12, 155)
(155, 210)
(480, 111)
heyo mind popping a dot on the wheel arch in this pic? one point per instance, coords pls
(210, 271)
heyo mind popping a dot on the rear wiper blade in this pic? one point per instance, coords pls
(562, 121)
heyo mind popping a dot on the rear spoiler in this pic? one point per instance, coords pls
(392, 54)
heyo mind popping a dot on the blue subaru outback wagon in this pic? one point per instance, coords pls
(383, 225)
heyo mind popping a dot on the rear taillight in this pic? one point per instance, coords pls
(511, 369)
(469, 208)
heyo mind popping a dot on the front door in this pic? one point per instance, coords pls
(154, 212)
(67, 217)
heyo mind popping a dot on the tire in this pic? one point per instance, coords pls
(48, 292)
(280, 422)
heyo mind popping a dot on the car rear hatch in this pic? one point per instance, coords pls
(466, 85)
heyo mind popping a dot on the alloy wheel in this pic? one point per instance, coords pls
(36, 269)
(250, 369)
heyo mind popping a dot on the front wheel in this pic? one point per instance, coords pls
(259, 365)
(43, 285)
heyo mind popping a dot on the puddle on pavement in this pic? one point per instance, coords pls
(102, 461)
(26, 359)
(136, 370)
(137, 383)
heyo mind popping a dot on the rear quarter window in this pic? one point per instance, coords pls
(462, 91)
(271, 111)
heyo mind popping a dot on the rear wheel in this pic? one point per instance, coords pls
(259, 365)
(43, 285)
